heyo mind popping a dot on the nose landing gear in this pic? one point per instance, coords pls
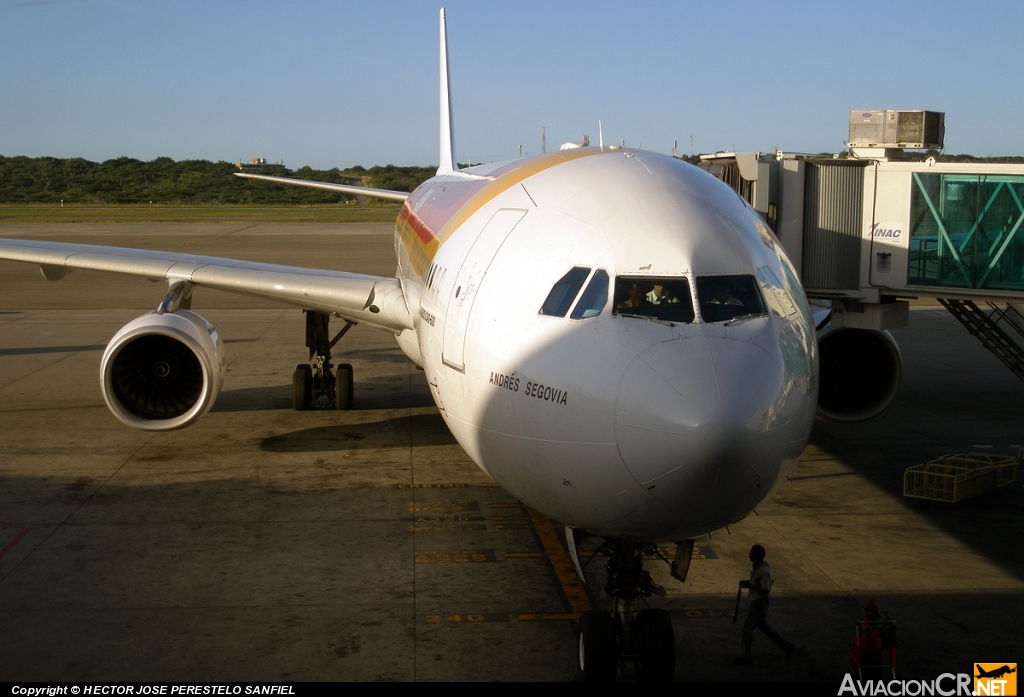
(647, 639)
(309, 382)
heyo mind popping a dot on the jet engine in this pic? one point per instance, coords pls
(860, 371)
(163, 371)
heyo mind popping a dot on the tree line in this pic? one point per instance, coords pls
(127, 180)
(942, 157)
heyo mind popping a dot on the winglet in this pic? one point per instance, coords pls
(447, 137)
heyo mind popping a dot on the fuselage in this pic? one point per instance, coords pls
(615, 337)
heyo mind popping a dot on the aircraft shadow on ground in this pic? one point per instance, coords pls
(931, 418)
(391, 354)
(383, 392)
(984, 523)
(419, 430)
(40, 350)
(206, 527)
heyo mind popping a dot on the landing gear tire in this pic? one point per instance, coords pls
(343, 389)
(655, 646)
(598, 647)
(302, 387)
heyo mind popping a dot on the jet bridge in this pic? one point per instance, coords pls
(869, 232)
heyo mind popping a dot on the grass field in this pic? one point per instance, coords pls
(157, 213)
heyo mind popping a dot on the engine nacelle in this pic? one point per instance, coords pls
(163, 371)
(860, 372)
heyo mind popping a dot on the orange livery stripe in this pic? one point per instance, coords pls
(441, 205)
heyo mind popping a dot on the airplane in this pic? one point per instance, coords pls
(614, 336)
(995, 672)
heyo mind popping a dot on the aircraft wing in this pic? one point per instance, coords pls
(329, 186)
(375, 300)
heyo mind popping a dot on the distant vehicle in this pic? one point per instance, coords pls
(613, 336)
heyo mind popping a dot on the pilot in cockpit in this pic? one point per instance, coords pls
(659, 296)
(721, 294)
(636, 298)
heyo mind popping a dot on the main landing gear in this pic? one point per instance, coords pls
(310, 382)
(646, 639)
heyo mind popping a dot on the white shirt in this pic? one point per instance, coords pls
(760, 582)
(655, 299)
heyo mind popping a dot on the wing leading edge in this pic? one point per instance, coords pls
(329, 186)
(373, 300)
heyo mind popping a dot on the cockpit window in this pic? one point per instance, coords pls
(594, 298)
(665, 299)
(562, 294)
(775, 295)
(723, 298)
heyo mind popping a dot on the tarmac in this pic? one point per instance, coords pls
(265, 544)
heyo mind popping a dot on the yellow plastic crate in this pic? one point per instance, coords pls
(953, 478)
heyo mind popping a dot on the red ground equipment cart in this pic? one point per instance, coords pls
(873, 654)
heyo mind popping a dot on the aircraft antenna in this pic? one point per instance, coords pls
(543, 140)
(600, 135)
(447, 137)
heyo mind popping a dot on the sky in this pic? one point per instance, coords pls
(337, 84)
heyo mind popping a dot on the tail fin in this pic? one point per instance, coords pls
(447, 137)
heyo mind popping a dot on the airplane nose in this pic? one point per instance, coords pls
(691, 417)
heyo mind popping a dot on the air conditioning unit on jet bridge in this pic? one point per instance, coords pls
(897, 129)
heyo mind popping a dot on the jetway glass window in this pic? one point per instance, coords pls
(723, 298)
(665, 299)
(965, 231)
(562, 294)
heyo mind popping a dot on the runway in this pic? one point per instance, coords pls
(267, 544)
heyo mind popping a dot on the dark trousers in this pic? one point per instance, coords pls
(757, 619)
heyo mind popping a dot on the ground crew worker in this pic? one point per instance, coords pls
(760, 585)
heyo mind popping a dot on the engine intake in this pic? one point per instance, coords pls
(163, 371)
(860, 372)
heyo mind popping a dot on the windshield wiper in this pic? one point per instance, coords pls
(734, 320)
(649, 318)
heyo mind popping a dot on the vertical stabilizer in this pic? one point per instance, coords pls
(447, 139)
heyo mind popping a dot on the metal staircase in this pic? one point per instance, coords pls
(989, 326)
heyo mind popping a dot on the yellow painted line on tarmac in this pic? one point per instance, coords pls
(471, 618)
(560, 562)
(458, 556)
(555, 616)
(477, 618)
(431, 486)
